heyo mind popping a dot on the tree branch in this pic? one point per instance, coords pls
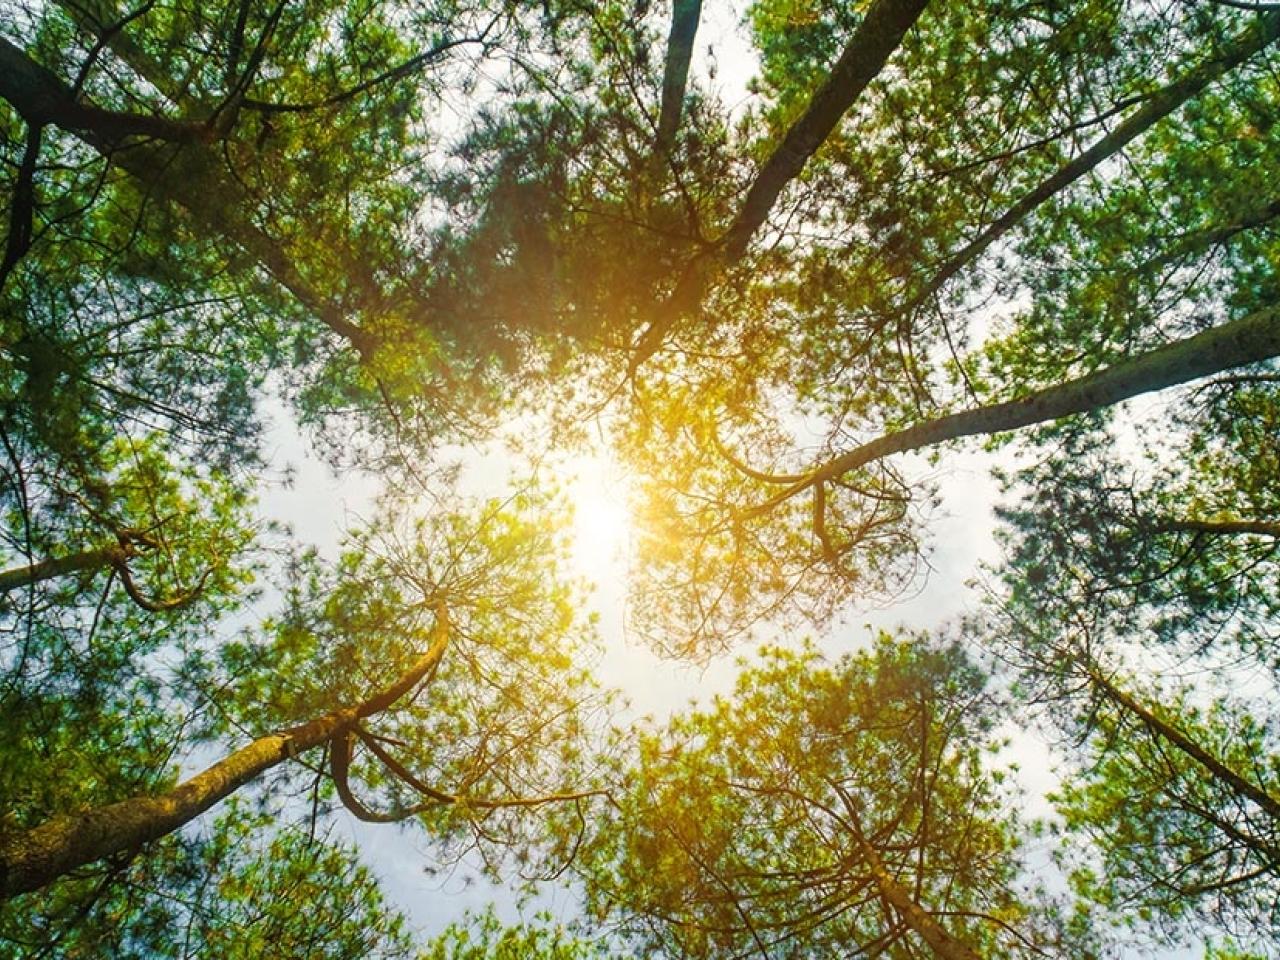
(33, 858)
(22, 207)
(1159, 105)
(877, 36)
(42, 99)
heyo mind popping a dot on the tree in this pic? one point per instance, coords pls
(1140, 614)
(461, 605)
(483, 937)
(933, 222)
(247, 886)
(825, 807)
(843, 345)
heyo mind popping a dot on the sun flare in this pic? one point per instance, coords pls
(601, 526)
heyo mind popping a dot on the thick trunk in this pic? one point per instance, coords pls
(19, 577)
(1158, 106)
(22, 208)
(35, 857)
(675, 76)
(919, 920)
(1251, 339)
(1215, 767)
(879, 34)
(187, 176)
(41, 98)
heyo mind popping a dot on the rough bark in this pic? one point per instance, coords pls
(675, 75)
(1159, 105)
(33, 858)
(919, 920)
(1251, 339)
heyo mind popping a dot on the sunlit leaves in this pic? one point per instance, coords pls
(781, 819)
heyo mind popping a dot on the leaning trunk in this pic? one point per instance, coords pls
(1212, 765)
(1158, 106)
(19, 577)
(1251, 339)
(879, 34)
(184, 172)
(675, 76)
(33, 858)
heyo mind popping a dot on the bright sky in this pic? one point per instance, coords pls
(319, 506)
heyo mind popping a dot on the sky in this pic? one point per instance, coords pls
(318, 505)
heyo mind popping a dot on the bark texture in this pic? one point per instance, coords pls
(919, 920)
(675, 75)
(33, 858)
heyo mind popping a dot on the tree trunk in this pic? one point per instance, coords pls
(18, 577)
(919, 920)
(35, 857)
(41, 98)
(879, 34)
(1251, 339)
(186, 175)
(675, 76)
(1220, 772)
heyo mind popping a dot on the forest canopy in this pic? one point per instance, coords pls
(780, 265)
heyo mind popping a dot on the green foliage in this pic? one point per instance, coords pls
(1140, 612)
(238, 891)
(483, 937)
(417, 222)
(762, 823)
(972, 230)
(509, 713)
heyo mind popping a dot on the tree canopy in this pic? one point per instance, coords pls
(781, 286)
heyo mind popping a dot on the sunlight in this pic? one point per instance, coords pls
(601, 527)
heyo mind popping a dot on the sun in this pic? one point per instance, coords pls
(601, 527)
